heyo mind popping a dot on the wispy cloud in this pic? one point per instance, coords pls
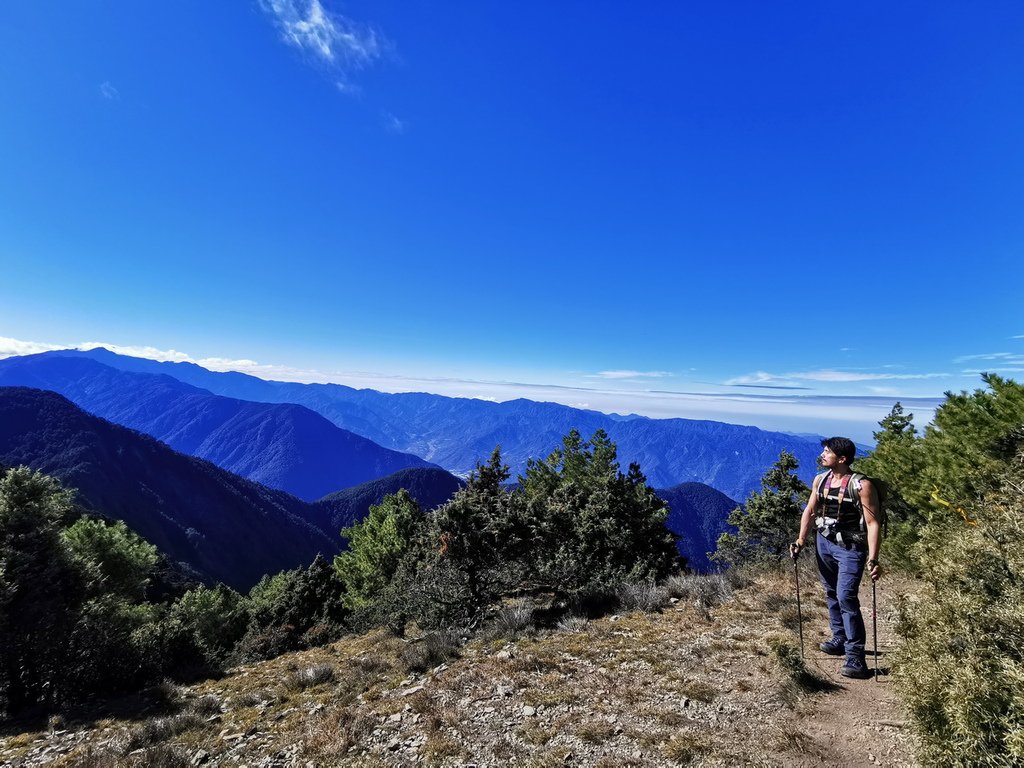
(770, 386)
(109, 92)
(764, 378)
(855, 416)
(629, 375)
(1006, 358)
(334, 42)
(393, 124)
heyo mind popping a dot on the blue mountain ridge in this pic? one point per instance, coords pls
(280, 445)
(222, 526)
(456, 433)
(431, 487)
(697, 512)
(217, 525)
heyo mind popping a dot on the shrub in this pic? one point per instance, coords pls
(435, 648)
(162, 728)
(573, 624)
(310, 677)
(510, 621)
(960, 669)
(705, 591)
(205, 706)
(643, 596)
(798, 677)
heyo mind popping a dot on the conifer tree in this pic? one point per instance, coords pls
(896, 461)
(474, 536)
(590, 525)
(40, 596)
(767, 524)
(376, 547)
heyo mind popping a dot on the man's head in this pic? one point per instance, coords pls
(837, 450)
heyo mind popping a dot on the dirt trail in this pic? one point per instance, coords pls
(862, 721)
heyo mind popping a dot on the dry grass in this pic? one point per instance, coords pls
(684, 747)
(310, 677)
(332, 733)
(606, 692)
(595, 732)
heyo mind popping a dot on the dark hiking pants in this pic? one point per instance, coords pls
(841, 568)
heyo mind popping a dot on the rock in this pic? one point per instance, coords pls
(394, 744)
(529, 711)
(395, 718)
(200, 757)
(411, 691)
(503, 654)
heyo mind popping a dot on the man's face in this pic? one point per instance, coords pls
(829, 459)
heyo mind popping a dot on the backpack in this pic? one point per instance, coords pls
(881, 493)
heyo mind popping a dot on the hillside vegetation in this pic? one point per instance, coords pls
(547, 621)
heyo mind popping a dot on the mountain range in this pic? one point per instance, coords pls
(282, 446)
(224, 527)
(456, 433)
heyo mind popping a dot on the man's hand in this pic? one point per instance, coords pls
(874, 570)
(795, 548)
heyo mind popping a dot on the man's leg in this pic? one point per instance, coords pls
(851, 569)
(828, 570)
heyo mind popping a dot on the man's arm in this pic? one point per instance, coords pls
(869, 503)
(805, 519)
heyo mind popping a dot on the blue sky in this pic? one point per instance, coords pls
(735, 210)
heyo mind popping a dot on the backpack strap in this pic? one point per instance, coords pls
(855, 480)
(822, 481)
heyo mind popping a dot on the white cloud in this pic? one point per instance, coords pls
(826, 375)
(14, 347)
(333, 40)
(393, 124)
(856, 416)
(629, 375)
(1009, 358)
(109, 92)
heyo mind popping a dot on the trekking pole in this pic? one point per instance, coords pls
(799, 610)
(874, 625)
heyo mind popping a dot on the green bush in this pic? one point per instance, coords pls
(203, 628)
(960, 669)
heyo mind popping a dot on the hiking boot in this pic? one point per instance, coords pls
(834, 647)
(855, 668)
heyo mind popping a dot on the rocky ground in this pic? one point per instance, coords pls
(690, 684)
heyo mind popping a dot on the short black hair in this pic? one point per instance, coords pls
(841, 446)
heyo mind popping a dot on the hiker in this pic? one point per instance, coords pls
(844, 507)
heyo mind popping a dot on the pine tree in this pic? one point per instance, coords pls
(40, 596)
(590, 525)
(767, 524)
(474, 537)
(896, 461)
(376, 547)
